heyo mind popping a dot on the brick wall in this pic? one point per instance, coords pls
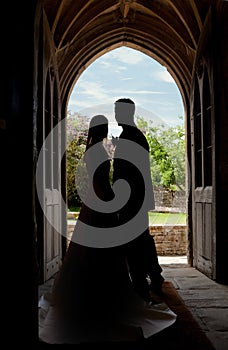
(169, 239)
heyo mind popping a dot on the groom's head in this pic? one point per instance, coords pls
(124, 111)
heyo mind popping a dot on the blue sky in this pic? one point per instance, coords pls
(125, 72)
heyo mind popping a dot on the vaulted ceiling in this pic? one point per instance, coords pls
(166, 30)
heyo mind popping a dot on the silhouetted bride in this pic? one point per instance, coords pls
(93, 298)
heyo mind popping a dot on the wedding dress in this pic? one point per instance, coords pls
(93, 299)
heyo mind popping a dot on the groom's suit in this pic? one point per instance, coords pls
(131, 163)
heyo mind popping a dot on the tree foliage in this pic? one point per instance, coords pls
(77, 130)
(167, 154)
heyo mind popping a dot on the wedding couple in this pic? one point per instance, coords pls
(101, 292)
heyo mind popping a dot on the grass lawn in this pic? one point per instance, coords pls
(157, 218)
(75, 209)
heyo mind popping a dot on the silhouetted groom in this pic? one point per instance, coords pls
(131, 163)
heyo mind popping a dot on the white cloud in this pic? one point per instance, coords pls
(164, 76)
(88, 93)
(126, 55)
(92, 89)
(77, 103)
(142, 92)
(126, 78)
(104, 61)
(120, 69)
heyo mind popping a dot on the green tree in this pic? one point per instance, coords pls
(167, 154)
(76, 130)
(173, 139)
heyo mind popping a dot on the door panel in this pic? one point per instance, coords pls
(50, 214)
(52, 241)
(52, 221)
(203, 156)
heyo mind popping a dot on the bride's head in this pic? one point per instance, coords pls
(98, 130)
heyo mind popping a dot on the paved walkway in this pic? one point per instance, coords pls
(206, 299)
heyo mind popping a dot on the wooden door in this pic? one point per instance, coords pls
(203, 156)
(50, 143)
(52, 179)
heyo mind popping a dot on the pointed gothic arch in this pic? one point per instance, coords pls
(74, 37)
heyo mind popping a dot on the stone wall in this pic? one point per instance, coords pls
(170, 201)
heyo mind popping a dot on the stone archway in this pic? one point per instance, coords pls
(165, 30)
(83, 32)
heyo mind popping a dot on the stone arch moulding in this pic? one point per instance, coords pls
(174, 64)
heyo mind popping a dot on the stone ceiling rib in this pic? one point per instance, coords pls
(74, 19)
(197, 15)
(86, 25)
(183, 19)
(166, 29)
(57, 17)
(150, 12)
